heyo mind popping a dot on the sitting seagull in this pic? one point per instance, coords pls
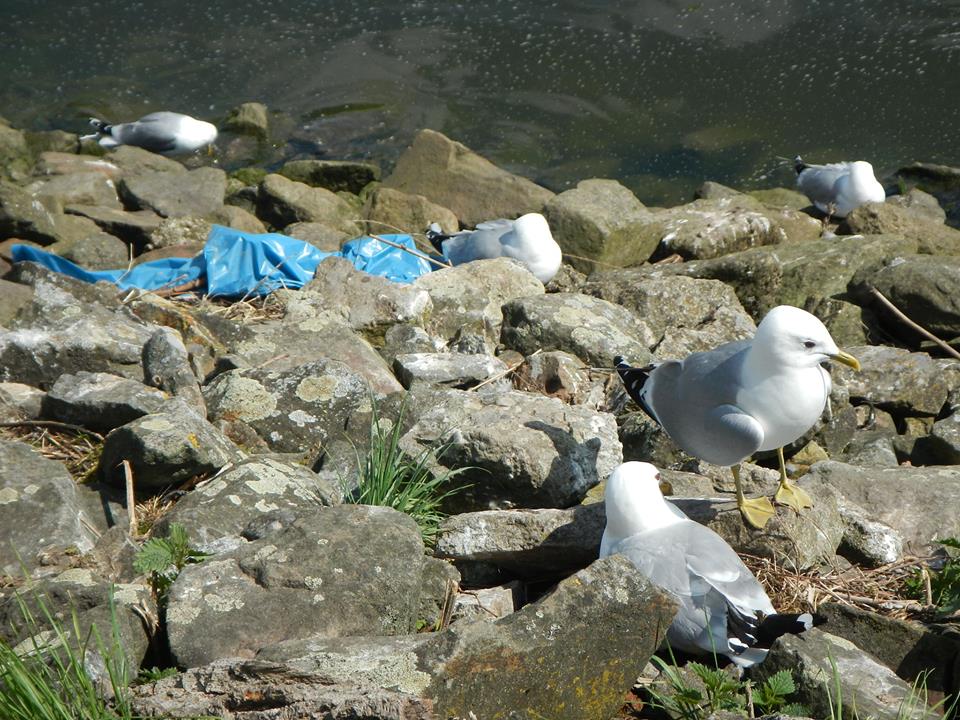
(725, 404)
(165, 133)
(527, 239)
(838, 188)
(723, 609)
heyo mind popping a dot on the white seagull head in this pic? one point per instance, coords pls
(795, 338)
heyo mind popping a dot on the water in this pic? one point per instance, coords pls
(658, 94)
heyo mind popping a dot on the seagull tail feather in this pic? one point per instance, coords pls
(436, 236)
(101, 127)
(799, 165)
(634, 379)
(773, 626)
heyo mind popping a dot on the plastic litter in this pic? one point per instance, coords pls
(239, 264)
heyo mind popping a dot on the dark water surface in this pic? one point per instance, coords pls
(659, 94)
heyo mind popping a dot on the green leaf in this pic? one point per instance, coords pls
(781, 683)
(155, 556)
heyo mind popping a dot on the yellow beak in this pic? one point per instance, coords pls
(846, 359)
(666, 488)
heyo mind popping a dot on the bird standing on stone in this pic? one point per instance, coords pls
(527, 239)
(723, 608)
(725, 404)
(838, 188)
(165, 133)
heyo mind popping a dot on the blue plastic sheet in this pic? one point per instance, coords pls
(239, 264)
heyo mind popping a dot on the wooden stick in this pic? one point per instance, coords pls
(923, 331)
(415, 253)
(56, 425)
(131, 499)
(504, 373)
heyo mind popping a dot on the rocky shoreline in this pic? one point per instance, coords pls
(243, 421)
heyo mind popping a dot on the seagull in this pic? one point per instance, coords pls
(723, 608)
(838, 188)
(725, 404)
(165, 133)
(527, 239)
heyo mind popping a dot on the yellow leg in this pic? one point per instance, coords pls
(789, 494)
(756, 512)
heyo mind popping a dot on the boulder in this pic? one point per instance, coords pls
(246, 493)
(451, 175)
(387, 210)
(13, 297)
(600, 220)
(941, 181)
(943, 444)
(920, 202)
(321, 236)
(932, 236)
(238, 219)
(282, 201)
(96, 251)
(79, 188)
(39, 509)
(19, 401)
(184, 230)
(66, 163)
(134, 160)
(26, 217)
(249, 118)
(521, 450)
(561, 375)
(346, 570)
(456, 370)
(894, 379)
(590, 328)
(134, 228)
(100, 401)
(14, 152)
(922, 286)
(334, 175)
(175, 194)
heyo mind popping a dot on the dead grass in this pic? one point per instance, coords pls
(881, 590)
(79, 451)
(248, 310)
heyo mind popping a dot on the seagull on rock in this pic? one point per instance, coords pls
(527, 239)
(725, 404)
(165, 133)
(723, 608)
(837, 189)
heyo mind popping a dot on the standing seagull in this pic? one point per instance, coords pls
(838, 188)
(723, 609)
(725, 404)
(527, 239)
(165, 133)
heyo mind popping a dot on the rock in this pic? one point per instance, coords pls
(920, 203)
(895, 380)
(485, 604)
(175, 194)
(451, 175)
(346, 570)
(781, 197)
(561, 375)
(922, 287)
(19, 401)
(467, 298)
(365, 302)
(64, 163)
(25, 217)
(523, 450)
(282, 202)
(165, 448)
(404, 338)
(98, 251)
(249, 118)
(600, 220)
(932, 237)
(78, 188)
(41, 141)
(13, 296)
(592, 329)
(238, 219)
(457, 370)
(528, 544)
(943, 445)
(166, 365)
(919, 503)
(134, 228)
(438, 590)
(685, 314)
(872, 449)
(323, 237)
(254, 488)
(100, 401)
(184, 230)
(831, 672)
(296, 410)
(134, 160)
(711, 190)
(865, 541)
(389, 210)
(39, 509)
(14, 153)
(941, 181)
(334, 175)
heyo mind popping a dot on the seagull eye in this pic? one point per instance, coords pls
(809, 344)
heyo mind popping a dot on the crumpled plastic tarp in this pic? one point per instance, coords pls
(239, 264)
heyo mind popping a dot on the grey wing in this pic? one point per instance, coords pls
(818, 182)
(694, 400)
(481, 244)
(156, 132)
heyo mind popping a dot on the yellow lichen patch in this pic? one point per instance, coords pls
(317, 389)
(193, 439)
(246, 399)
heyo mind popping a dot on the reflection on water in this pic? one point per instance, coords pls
(660, 94)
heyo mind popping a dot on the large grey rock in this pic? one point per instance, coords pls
(895, 380)
(39, 508)
(346, 570)
(249, 118)
(467, 298)
(451, 175)
(387, 210)
(941, 181)
(922, 286)
(323, 237)
(96, 251)
(282, 201)
(932, 236)
(865, 541)
(685, 314)
(590, 328)
(523, 450)
(165, 448)
(825, 666)
(175, 194)
(564, 376)
(296, 410)
(24, 216)
(334, 175)
(100, 401)
(920, 202)
(135, 228)
(19, 401)
(183, 230)
(457, 370)
(78, 188)
(64, 163)
(134, 160)
(919, 503)
(245, 493)
(600, 220)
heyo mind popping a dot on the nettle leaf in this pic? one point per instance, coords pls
(155, 556)
(781, 683)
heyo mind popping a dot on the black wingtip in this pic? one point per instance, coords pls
(799, 165)
(619, 360)
(436, 237)
(99, 125)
